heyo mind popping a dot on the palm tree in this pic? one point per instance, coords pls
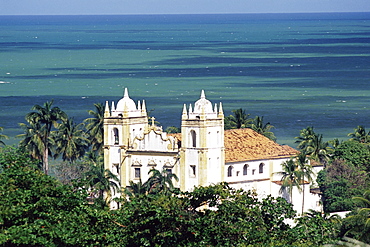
(136, 189)
(360, 135)
(364, 211)
(358, 224)
(319, 150)
(291, 177)
(239, 120)
(102, 181)
(71, 141)
(333, 145)
(2, 136)
(41, 120)
(312, 144)
(95, 127)
(261, 128)
(161, 181)
(305, 172)
(305, 138)
(32, 142)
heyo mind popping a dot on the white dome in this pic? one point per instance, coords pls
(126, 101)
(203, 103)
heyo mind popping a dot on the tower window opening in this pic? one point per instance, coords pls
(193, 137)
(193, 171)
(116, 136)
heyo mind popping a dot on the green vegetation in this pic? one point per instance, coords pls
(37, 210)
(240, 119)
(69, 209)
(38, 133)
(2, 136)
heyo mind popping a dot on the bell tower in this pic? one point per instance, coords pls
(121, 125)
(202, 152)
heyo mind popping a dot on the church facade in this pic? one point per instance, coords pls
(203, 154)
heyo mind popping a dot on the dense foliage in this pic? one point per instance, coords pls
(346, 166)
(37, 210)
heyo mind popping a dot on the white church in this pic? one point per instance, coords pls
(203, 154)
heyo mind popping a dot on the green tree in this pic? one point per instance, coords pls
(95, 127)
(136, 189)
(41, 121)
(161, 181)
(357, 224)
(36, 210)
(305, 172)
(305, 138)
(2, 136)
(102, 182)
(71, 141)
(313, 145)
(262, 128)
(215, 215)
(354, 152)
(239, 120)
(173, 129)
(360, 135)
(317, 229)
(290, 178)
(32, 142)
(339, 182)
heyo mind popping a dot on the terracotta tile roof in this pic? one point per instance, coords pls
(246, 144)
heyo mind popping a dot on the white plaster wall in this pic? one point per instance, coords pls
(237, 171)
(143, 160)
(214, 137)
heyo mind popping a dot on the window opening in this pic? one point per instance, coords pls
(245, 169)
(261, 168)
(116, 137)
(193, 170)
(137, 172)
(229, 171)
(193, 138)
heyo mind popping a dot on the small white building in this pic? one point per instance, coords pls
(203, 154)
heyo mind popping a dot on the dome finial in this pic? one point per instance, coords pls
(126, 93)
(202, 95)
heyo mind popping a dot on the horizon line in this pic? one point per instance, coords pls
(236, 13)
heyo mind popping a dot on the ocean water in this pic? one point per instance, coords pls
(296, 70)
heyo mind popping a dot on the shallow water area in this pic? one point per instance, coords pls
(296, 70)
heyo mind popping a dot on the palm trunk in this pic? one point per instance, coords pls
(45, 161)
(303, 198)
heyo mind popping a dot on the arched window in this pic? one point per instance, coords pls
(116, 137)
(245, 169)
(229, 171)
(261, 168)
(193, 138)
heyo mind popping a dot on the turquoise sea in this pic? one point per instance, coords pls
(296, 70)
